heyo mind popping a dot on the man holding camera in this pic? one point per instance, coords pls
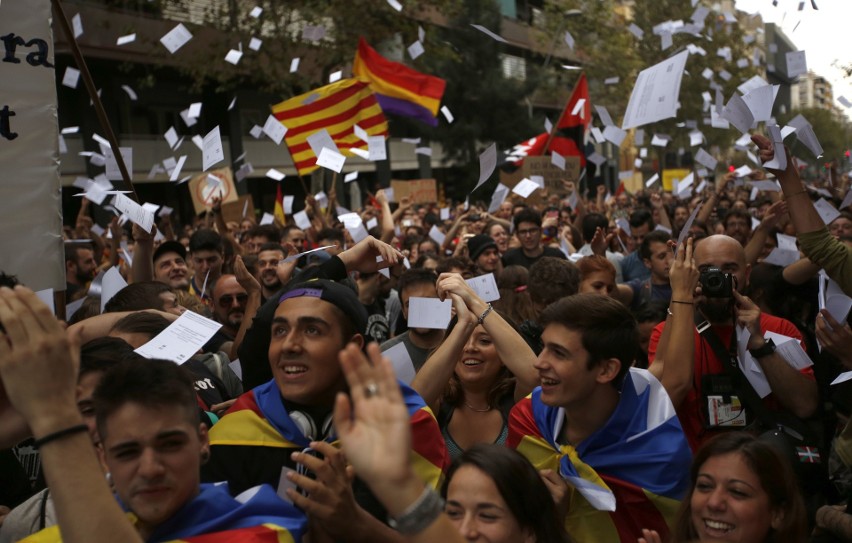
(705, 311)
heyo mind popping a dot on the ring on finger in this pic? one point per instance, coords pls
(371, 389)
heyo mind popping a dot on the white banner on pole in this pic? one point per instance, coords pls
(30, 198)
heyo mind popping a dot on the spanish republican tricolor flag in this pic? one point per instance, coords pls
(628, 475)
(336, 108)
(399, 89)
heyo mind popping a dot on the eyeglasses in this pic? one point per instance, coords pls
(227, 300)
(529, 232)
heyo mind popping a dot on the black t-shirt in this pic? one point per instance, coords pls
(516, 256)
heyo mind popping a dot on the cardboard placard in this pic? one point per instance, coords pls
(202, 193)
(553, 176)
(233, 211)
(670, 174)
(419, 191)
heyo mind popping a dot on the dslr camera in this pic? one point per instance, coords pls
(716, 284)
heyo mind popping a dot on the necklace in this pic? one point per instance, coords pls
(486, 410)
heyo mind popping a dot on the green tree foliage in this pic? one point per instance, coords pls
(603, 47)
(322, 33)
(487, 106)
(716, 35)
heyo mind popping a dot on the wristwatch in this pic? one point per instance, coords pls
(767, 349)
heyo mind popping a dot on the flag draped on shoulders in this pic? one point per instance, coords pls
(337, 108)
(628, 475)
(257, 515)
(399, 89)
(258, 418)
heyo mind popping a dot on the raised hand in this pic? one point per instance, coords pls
(373, 422)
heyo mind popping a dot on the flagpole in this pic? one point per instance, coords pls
(555, 128)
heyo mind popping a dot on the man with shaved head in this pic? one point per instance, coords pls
(687, 364)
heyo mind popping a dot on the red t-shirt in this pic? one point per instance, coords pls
(690, 410)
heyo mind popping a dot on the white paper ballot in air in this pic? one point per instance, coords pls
(71, 78)
(487, 32)
(176, 38)
(705, 158)
(485, 287)
(487, 163)
(415, 49)
(212, 152)
(274, 129)
(445, 111)
(826, 211)
(331, 159)
(796, 63)
(113, 173)
(437, 235)
(738, 113)
(124, 40)
(302, 220)
(429, 313)
(272, 173)
(321, 139)
(655, 94)
(403, 367)
(111, 283)
(376, 148)
(525, 187)
(181, 339)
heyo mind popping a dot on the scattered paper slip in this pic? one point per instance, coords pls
(403, 367)
(181, 339)
(212, 152)
(429, 313)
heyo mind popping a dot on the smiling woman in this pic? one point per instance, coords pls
(743, 491)
(476, 375)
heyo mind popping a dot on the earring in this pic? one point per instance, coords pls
(109, 478)
(205, 457)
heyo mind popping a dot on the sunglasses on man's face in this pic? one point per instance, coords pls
(227, 300)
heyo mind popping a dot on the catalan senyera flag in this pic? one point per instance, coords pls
(278, 212)
(399, 89)
(628, 475)
(259, 419)
(337, 108)
(213, 516)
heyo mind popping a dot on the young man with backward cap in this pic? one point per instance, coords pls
(286, 422)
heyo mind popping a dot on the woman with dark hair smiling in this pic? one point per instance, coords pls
(495, 494)
(742, 491)
(472, 380)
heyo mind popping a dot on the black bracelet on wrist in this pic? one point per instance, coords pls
(681, 302)
(59, 434)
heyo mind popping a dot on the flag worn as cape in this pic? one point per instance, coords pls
(257, 515)
(258, 418)
(337, 108)
(628, 475)
(399, 89)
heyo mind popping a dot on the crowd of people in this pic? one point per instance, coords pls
(646, 373)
